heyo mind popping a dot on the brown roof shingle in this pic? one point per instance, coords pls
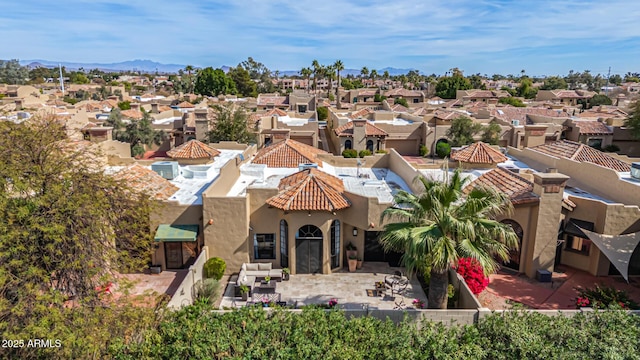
(478, 153)
(310, 190)
(581, 152)
(288, 153)
(346, 130)
(593, 128)
(193, 149)
(147, 180)
(519, 189)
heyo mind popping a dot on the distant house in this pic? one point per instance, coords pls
(566, 97)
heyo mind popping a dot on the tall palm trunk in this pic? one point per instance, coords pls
(437, 297)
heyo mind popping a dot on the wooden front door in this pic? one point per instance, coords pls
(173, 255)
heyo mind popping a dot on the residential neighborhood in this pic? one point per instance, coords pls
(303, 188)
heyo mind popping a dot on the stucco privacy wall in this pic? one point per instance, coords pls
(185, 294)
(466, 299)
(400, 166)
(590, 177)
(227, 235)
(373, 161)
(175, 214)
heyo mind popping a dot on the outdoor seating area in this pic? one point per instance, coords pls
(375, 286)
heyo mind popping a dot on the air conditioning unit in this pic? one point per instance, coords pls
(167, 169)
(307, 166)
(635, 170)
(515, 122)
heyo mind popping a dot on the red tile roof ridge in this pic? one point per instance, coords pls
(479, 153)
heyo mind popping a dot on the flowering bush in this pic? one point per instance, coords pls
(333, 302)
(473, 274)
(603, 297)
(418, 304)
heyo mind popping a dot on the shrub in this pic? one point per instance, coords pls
(364, 153)
(381, 151)
(207, 291)
(214, 268)
(424, 150)
(612, 148)
(124, 105)
(473, 274)
(323, 113)
(443, 150)
(513, 101)
(401, 101)
(379, 98)
(350, 153)
(602, 296)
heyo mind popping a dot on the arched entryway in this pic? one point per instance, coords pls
(514, 255)
(335, 244)
(370, 145)
(347, 144)
(308, 250)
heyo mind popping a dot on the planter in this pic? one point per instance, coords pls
(245, 296)
(155, 269)
(285, 277)
(359, 265)
(352, 253)
(353, 263)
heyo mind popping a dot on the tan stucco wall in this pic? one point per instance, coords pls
(587, 176)
(526, 215)
(176, 214)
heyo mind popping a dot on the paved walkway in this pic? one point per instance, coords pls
(560, 293)
(350, 289)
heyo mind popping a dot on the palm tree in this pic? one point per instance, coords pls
(339, 66)
(364, 72)
(330, 73)
(442, 224)
(189, 69)
(316, 70)
(306, 73)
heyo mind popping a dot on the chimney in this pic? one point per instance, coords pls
(135, 106)
(19, 104)
(154, 108)
(540, 253)
(202, 124)
(534, 135)
(274, 122)
(359, 134)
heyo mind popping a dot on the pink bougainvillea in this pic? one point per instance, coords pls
(473, 274)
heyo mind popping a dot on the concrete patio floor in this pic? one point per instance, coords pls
(147, 287)
(350, 289)
(559, 294)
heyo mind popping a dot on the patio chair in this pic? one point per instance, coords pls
(397, 283)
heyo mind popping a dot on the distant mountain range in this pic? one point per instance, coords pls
(149, 66)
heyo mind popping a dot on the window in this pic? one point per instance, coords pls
(347, 144)
(284, 244)
(416, 100)
(595, 143)
(302, 109)
(335, 243)
(579, 244)
(370, 145)
(264, 246)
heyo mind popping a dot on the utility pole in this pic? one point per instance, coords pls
(606, 89)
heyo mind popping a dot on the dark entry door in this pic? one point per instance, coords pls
(308, 256)
(173, 254)
(373, 251)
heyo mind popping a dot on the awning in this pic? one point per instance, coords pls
(168, 233)
(617, 248)
(574, 227)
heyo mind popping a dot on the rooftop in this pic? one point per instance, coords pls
(478, 153)
(193, 149)
(288, 153)
(310, 189)
(583, 153)
(346, 130)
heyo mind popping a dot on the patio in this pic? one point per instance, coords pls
(558, 294)
(350, 289)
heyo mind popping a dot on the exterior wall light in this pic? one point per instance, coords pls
(210, 222)
(355, 232)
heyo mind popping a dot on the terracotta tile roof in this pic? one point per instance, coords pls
(478, 153)
(593, 128)
(147, 180)
(310, 190)
(519, 189)
(277, 112)
(272, 99)
(185, 105)
(367, 92)
(193, 149)
(360, 113)
(346, 130)
(132, 114)
(420, 111)
(402, 92)
(399, 108)
(583, 153)
(288, 154)
(163, 108)
(508, 113)
(446, 114)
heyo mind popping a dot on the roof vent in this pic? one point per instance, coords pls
(167, 169)
(515, 122)
(635, 170)
(307, 166)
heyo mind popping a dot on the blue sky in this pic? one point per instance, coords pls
(478, 36)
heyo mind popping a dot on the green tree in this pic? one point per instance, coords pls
(124, 105)
(323, 113)
(243, 82)
(600, 99)
(633, 121)
(65, 228)
(491, 133)
(11, 72)
(210, 82)
(443, 150)
(440, 225)
(306, 73)
(476, 81)
(317, 71)
(401, 101)
(448, 86)
(615, 79)
(553, 83)
(462, 131)
(526, 89)
(513, 101)
(78, 77)
(230, 124)
(338, 66)
(138, 133)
